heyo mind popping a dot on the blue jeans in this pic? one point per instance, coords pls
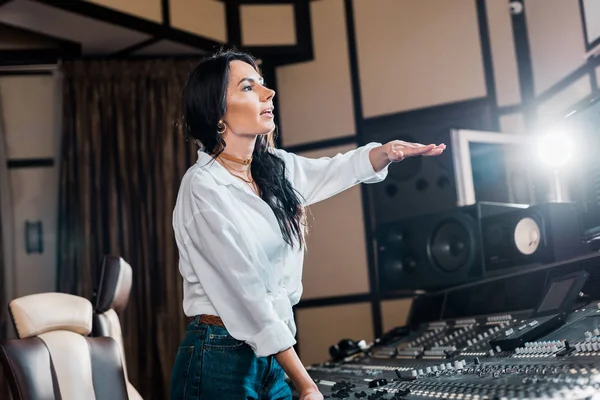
(212, 365)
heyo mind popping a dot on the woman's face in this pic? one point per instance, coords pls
(249, 104)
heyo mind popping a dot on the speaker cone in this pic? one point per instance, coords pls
(450, 246)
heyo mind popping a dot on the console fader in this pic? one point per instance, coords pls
(548, 347)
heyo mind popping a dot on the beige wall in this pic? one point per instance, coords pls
(512, 123)
(591, 8)
(394, 313)
(268, 25)
(321, 327)
(504, 59)
(336, 261)
(556, 40)
(30, 109)
(202, 17)
(415, 54)
(315, 97)
(560, 103)
(557, 49)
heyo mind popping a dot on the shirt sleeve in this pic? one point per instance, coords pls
(234, 285)
(317, 179)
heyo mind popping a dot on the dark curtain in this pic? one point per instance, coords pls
(123, 156)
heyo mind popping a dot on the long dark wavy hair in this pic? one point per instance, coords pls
(204, 104)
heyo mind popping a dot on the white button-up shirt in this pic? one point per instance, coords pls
(232, 255)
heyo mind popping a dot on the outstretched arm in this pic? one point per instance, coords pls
(317, 179)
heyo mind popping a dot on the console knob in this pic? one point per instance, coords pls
(378, 382)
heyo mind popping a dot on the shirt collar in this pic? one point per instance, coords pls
(218, 172)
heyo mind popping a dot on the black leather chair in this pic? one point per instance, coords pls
(53, 358)
(112, 296)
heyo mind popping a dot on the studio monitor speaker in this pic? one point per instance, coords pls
(540, 234)
(435, 250)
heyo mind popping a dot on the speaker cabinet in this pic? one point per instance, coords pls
(540, 234)
(435, 250)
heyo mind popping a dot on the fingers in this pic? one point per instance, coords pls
(436, 151)
(417, 151)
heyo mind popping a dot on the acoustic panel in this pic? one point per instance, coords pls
(555, 39)
(34, 198)
(415, 54)
(202, 17)
(336, 260)
(394, 313)
(268, 25)
(504, 60)
(147, 9)
(30, 112)
(591, 16)
(315, 97)
(558, 105)
(321, 327)
(512, 123)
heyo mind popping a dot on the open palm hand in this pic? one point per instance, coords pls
(398, 150)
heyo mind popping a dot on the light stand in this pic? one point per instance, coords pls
(555, 149)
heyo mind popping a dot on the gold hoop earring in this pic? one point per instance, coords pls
(221, 127)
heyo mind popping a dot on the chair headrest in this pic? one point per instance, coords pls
(44, 312)
(114, 286)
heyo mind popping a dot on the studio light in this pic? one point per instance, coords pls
(555, 148)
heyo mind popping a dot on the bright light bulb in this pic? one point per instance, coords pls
(555, 148)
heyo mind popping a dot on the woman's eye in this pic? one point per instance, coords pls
(247, 88)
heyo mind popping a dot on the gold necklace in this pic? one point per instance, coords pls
(235, 159)
(251, 183)
(237, 176)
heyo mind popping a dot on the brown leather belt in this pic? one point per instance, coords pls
(211, 320)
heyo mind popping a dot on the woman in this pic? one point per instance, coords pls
(240, 228)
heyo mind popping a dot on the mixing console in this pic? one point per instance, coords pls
(496, 356)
